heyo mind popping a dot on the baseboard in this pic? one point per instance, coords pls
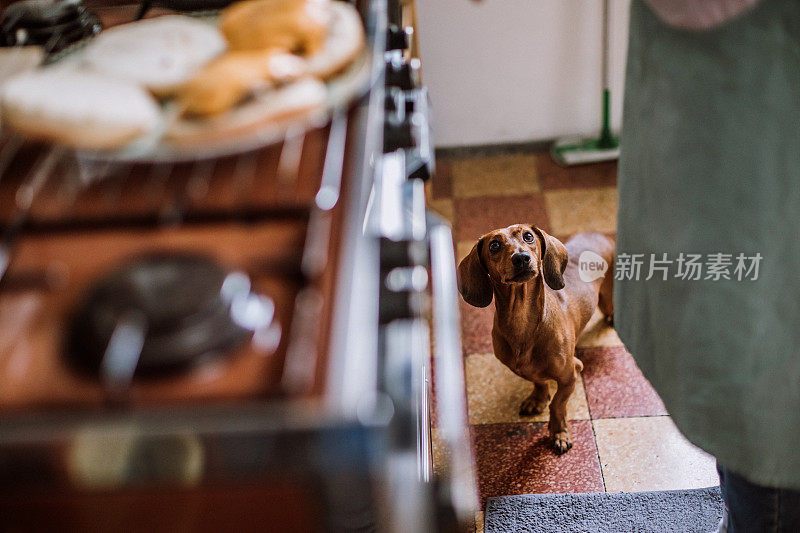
(478, 150)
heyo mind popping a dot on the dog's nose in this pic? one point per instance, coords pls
(521, 259)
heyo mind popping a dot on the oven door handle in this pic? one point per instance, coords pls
(458, 486)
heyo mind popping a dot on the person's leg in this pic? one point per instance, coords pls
(723, 522)
(789, 517)
(752, 508)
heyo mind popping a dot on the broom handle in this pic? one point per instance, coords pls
(606, 81)
(606, 139)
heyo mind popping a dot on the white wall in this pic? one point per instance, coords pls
(503, 71)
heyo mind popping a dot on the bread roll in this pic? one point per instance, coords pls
(299, 26)
(289, 101)
(18, 59)
(161, 53)
(344, 41)
(231, 77)
(78, 109)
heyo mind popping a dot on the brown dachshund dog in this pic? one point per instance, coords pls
(541, 307)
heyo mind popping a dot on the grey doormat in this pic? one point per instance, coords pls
(684, 511)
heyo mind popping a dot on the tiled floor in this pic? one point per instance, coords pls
(623, 438)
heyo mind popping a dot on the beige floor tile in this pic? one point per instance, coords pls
(598, 333)
(499, 175)
(575, 211)
(443, 208)
(649, 453)
(441, 463)
(479, 522)
(439, 454)
(494, 394)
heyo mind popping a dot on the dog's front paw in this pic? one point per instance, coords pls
(561, 442)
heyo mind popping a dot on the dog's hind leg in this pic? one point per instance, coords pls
(537, 401)
(606, 297)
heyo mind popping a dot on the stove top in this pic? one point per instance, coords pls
(148, 316)
(164, 283)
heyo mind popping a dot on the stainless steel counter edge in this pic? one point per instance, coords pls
(352, 372)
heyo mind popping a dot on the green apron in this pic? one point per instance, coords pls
(711, 164)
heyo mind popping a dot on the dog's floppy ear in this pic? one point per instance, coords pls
(473, 278)
(554, 259)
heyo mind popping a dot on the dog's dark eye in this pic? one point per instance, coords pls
(527, 236)
(494, 246)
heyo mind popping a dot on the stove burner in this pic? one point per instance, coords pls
(159, 314)
(48, 23)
